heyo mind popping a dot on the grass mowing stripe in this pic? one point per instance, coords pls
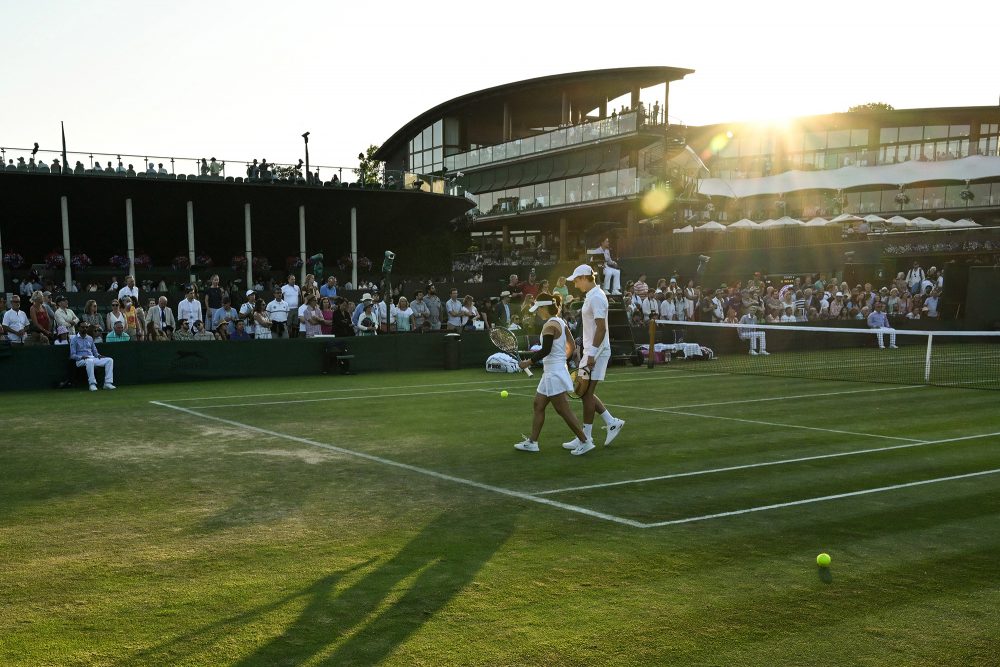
(782, 398)
(405, 466)
(695, 473)
(336, 398)
(805, 501)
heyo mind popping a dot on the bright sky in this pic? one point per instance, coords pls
(245, 79)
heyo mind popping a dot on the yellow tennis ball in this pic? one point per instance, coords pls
(504, 394)
(823, 560)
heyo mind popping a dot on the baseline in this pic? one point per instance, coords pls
(406, 466)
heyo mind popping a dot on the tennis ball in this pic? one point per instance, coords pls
(504, 394)
(823, 560)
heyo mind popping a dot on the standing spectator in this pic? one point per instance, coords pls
(326, 310)
(16, 323)
(562, 290)
(204, 167)
(246, 313)
(129, 290)
(132, 323)
(312, 317)
(420, 310)
(94, 320)
(262, 324)
(514, 286)
(342, 325)
(931, 303)
(469, 313)
(65, 317)
(189, 308)
(253, 170)
(292, 294)
(402, 315)
(84, 352)
(379, 307)
(277, 312)
(213, 298)
(503, 310)
(915, 277)
(161, 317)
(225, 316)
(529, 286)
(366, 299)
(329, 288)
(434, 306)
(454, 308)
(367, 326)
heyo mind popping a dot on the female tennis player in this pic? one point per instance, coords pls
(557, 345)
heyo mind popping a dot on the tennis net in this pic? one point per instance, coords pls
(950, 358)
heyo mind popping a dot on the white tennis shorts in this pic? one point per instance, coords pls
(555, 381)
(600, 364)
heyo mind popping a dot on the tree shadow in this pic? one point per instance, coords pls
(441, 561)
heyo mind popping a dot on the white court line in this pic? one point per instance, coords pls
(820, 499)
(764, 464)
(423, 471)
(401, 386)
(763, 423)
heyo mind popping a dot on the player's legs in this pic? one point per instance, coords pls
(563, 409)
(538, 415)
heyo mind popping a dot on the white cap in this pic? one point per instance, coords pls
(538, 304)
(366, 297)
(580, 271)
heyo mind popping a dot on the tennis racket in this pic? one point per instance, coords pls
(506, 342)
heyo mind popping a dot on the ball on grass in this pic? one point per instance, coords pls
(823, 560)
(504, 394)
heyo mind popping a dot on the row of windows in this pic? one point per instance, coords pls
(606, 185)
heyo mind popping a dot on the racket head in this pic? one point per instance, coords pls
(504, 339)
(581, 382)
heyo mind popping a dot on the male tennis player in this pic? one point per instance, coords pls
(557, 345)
(594, 359)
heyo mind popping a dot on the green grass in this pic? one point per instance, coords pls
(136, 534)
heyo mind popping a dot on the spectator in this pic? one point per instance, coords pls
(930, 306)
(262, 325)
(326, 309)
(246, 313)
(56, 167)
(154, 335)
(837, 308)
(161, 317)
(562, 290)
(514, 286)
(277, 312)
(17, 325)
(115, 315)
(120, 169)
(914, 277)
(94, 320)
(131, 171)
(788, 315)
(640, 287)
(420, 310)
(454, 308)
(150, 169)
(42, 323)
(65, 317)
(312, 317)
(84, 352)
(612, 274)
(253, 170)
(329, 288)
(213, 298)
(366, 299)
(292, 294)
(132, 323)
(667, 308)
(141, 319)
(189, 308)
(529, 286)
(183, 332)
(198, 331)
(342, 325)
(204, 167)
(129, 290)
(434, 306)
(930, 282)
(225, 316)
(503, 310)
(239, 331)
(469, 313)
(62, 336)
(367, 326)
(748, 331)
(381, 313)
(161, 170)
(402, 315)
(118, 334)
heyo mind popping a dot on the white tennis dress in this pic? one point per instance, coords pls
(555, 376)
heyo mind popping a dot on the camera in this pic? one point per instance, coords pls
(390, 254)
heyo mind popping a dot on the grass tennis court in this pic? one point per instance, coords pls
(387, 519)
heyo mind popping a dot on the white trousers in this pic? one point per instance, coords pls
(107, 363)
(612, 275)
(757, 338)
(890, 331)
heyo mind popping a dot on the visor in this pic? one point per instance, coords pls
(538, 304)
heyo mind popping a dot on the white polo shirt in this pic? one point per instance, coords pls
(291, 295)
(277, 311)
(595, 307)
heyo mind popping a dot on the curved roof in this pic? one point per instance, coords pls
(587, 89)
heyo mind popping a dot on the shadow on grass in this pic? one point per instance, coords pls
(366, 621)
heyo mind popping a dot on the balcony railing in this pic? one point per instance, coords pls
(562, 137)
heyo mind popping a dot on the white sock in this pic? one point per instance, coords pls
(587, 428)
(606, 416)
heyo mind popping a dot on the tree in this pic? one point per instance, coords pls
(872, 106)
(370, 171)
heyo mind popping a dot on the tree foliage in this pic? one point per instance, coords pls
(370, 171)
(872, 106)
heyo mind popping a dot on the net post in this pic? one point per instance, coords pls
(652, 343)
(927, 359)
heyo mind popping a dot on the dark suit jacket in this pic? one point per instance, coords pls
(501, 316)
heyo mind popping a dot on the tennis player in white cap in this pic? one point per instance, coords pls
(594, 359)
(557, 345)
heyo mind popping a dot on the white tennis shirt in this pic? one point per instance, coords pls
(595, 307)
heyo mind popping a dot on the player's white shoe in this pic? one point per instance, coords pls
(753, 353)
(527, 445)
(613, 430)
(765, 353)
(572, 444)
(583, 448)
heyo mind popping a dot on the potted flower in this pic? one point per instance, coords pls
(80, 261)
(203, 260)
(55, 260)
(180, 263)
(260, 264)
(238, 262)
(293, 262)
(13, 260)
(143, 261)
(118, 261)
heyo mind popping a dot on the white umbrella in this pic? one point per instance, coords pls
(684, 230)
(873, 218)
(898, 220)
(768, 224)
(944, 223)
(924, 223)
(847, 217)
(964, 223)
(711, 226)
(817, 222)
(744, 224)
(787, 222)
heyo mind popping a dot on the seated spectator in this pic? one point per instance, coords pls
(226, 315)
(84, 352)
(239, 331)
(151, 169)
(788, 315)
(62, 336)
(161, 170)
(183, 331)
(154, 335)
(65, 317)
(17, 325)
(640, 287)
(877, 320)
(161, 316)
(131, 171)
(94, 320)
(118, 334)
(109, 169)
(42, 322)
(198, 331)
(262, 325)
